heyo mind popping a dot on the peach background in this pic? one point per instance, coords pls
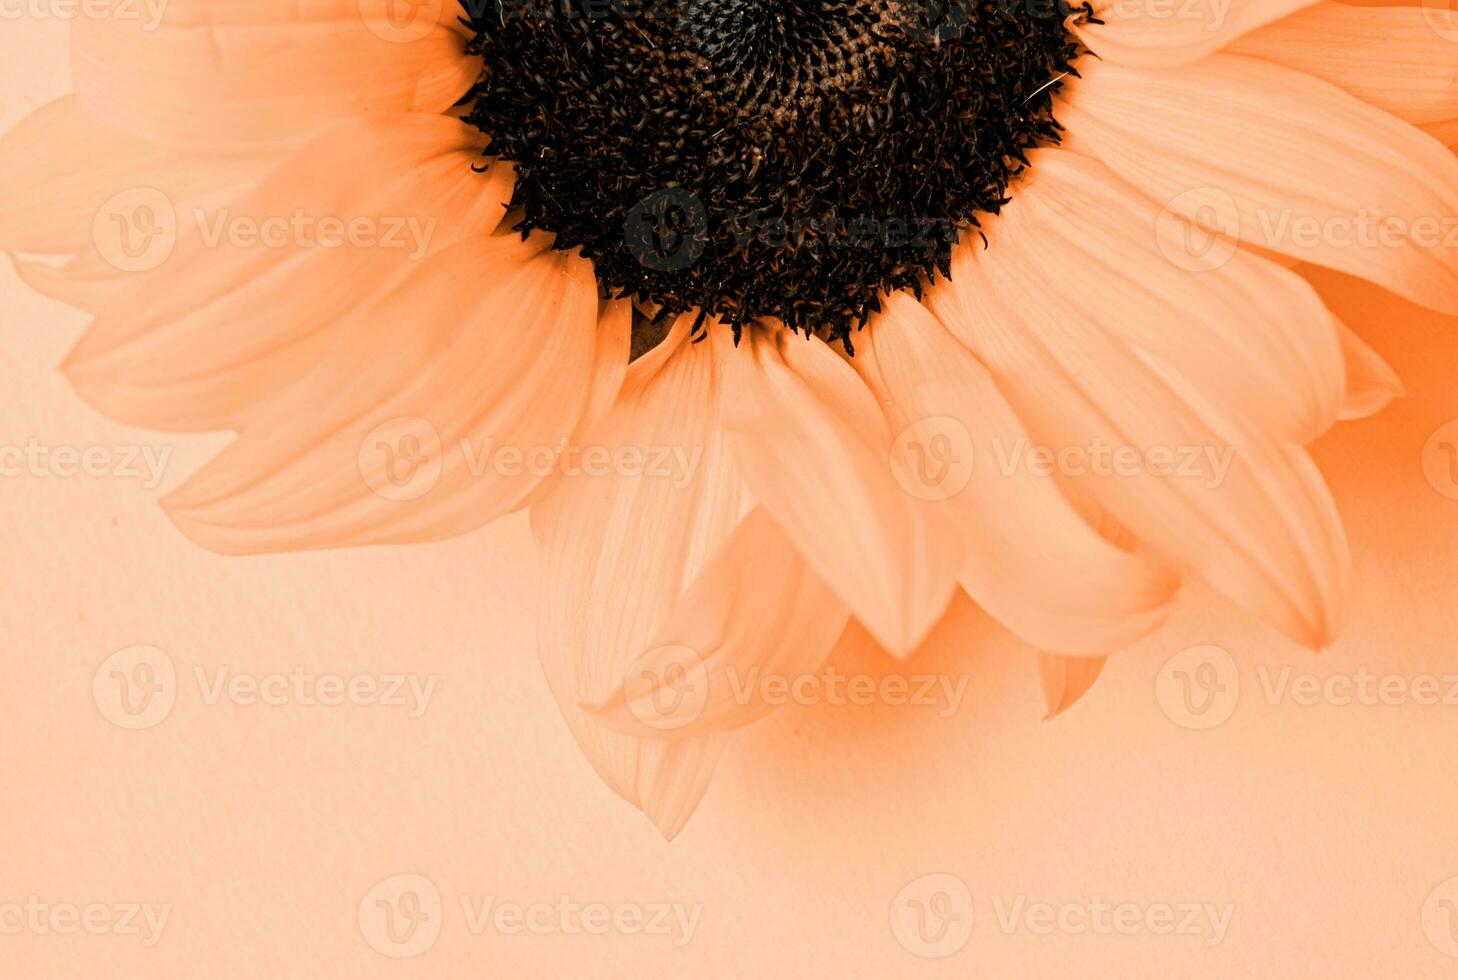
(1325, 828)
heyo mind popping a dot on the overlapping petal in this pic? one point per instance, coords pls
(230, 74)
(1200, 485)
(1250, 149)
(815, 451)
(1403, 60)
(1164, 33)
(1066, 680)
(55, 185)
(1029, 558)
(405, 435)
(620, 547)
(254, 297)
(756, 612)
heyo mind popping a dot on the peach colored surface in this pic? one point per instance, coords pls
(1203, 813)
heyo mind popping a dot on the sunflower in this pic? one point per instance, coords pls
(778, 315)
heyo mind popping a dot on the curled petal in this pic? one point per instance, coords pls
(757, 611)
(619, 549)
(1371, 382)
(1065, 680)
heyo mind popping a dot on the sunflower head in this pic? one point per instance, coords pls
(764, 159)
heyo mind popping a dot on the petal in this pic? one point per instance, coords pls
(1066, 679)
(234, 316)
(1244, 332)
(1371, 381)
(610, 367)
(1445, 132)
(86, 282)
(55, 187)
(440, 410)
(756, 612)
(619, 549)
(1198, 485)
(240, 73)
(1395, 58)
(1029, 558)
(1283, 160)
(614, 339)
(1156, 34)
(815, 451)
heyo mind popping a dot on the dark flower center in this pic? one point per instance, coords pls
(755, 159)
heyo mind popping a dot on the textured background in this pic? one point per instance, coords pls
(1325, 830)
